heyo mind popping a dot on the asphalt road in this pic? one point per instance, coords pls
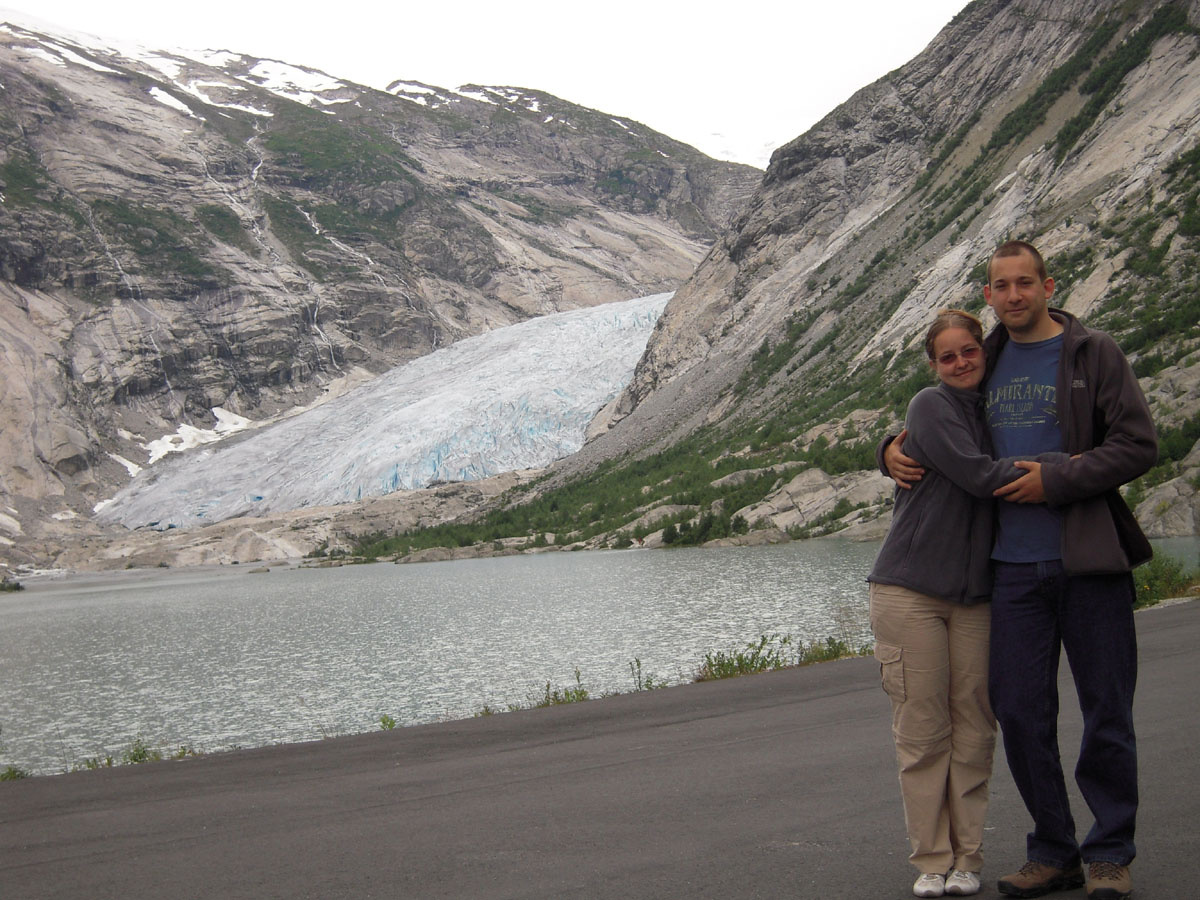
(776, 785)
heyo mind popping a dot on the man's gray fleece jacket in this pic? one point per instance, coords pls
(1105, 422)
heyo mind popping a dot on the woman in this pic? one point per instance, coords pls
(929, 590)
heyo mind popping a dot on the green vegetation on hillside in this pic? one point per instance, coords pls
(963, 197)
(602, 502)
(27, 185)
(968, 186)
(1155, 314)
(24, 181)
(225, 225)
(326, 151)
(1106, 78)
(1174, 443)
(1022, 121)
(296, 233)
(637, 182)
(163, 241)
(346, 220)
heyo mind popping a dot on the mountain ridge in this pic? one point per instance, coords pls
(180, 234)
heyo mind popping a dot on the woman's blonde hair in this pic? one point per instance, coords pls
(952, 318)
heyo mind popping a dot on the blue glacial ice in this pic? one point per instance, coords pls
(518, 397)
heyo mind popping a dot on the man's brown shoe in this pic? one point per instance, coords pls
(1035, 879)
(1108, 881)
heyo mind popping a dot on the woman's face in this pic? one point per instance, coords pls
(958, 358)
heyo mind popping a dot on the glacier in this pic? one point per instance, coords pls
(518, 397)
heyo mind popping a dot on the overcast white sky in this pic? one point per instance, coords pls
(735, 79)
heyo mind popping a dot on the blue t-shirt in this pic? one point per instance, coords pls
(1022, 417)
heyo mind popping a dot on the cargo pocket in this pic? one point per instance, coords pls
(891, 670)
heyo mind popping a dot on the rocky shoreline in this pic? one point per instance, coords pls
(322, 536)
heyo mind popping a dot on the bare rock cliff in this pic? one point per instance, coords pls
(882, 212)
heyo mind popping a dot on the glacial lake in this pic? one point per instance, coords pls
(228, 658)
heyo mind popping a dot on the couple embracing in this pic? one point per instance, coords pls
(1009, 541)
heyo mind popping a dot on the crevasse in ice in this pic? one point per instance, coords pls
(515, 398)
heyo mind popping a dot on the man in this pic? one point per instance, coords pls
(1065, 544)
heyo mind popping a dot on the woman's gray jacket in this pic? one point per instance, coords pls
(940, 540)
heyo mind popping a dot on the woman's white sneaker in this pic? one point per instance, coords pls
(962, 884)
(930, 885)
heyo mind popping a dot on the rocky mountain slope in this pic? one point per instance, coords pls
(1071, 123)
(183, 231)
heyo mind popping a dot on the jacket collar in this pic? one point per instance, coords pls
(1074, 334)
(966, 396)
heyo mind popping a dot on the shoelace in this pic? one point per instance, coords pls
(1105, 871)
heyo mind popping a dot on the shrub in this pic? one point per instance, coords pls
(830, 649)
(13, 773)
(140, 752)
(771, 652)
(645, 682)
(1161, 578)
(557, 696)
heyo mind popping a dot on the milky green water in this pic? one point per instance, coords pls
(229, 658)
(234, 659)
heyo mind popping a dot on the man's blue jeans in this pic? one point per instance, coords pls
(1036, 610)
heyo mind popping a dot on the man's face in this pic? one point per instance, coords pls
(1018, 295)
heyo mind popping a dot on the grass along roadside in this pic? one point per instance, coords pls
(769, 652)
(774, 652)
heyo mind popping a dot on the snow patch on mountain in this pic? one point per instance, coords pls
(187, 437)
(198, 90)
(292, 82)
(518, 397)
(423, 94)
(479, 95)
(164, 65)
(174, 102)
(71, 56)
(219, 59)
(45, 55)
(300, 84)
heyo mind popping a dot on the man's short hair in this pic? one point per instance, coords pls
(1016, 248)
